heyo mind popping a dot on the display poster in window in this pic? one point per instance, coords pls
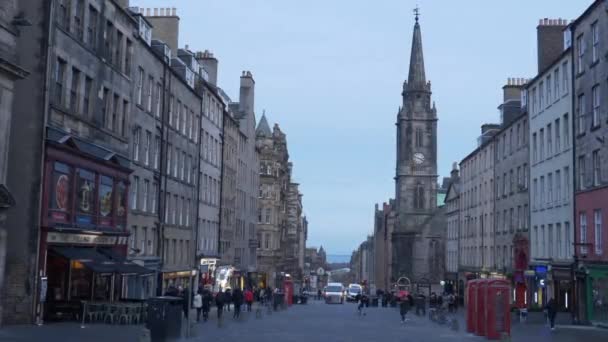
(85, 188)
(60, 192)
(121, 206)
(105, 200)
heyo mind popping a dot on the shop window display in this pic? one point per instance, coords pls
(600, 299)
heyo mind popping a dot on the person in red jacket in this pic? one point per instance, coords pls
(248, 299)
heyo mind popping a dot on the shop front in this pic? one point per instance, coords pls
(597, 294)
(562, 287)
(207, 272)
(177, 279)
(520, 265)
(83, 239)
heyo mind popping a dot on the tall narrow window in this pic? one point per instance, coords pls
(597, 172)
(566, 131)
(79, 19)
(147, 145)
(153, 198)
(548, 84)
(580, 47)
(565, 78)
(109, 41)
(134, 192)
(541, 148)
(114, 121)
(418, 137)
(158, 98)
(63, 13)
(419, 197)
(534, 148)
(541, 95)
(86, 103)
(558, 136)
(556, 83)
(118, 50)
(140, 86)
(128, 57)
(149, 93)
(124, 118)
(92, 28)
(75, 90)
(144, 200)
(597, 220)
(136, 142)
(583, 231)
(595, 32)
(169, 152)
(156, 152)
(106, 105)
(566, 184)
(580, 112)
(549, 141)
(558, 186)
(59, 81)
(581, 172)
(595, 92)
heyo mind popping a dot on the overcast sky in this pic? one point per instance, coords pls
(330, 73)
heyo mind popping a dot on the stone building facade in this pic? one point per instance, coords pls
(590, 100)
(272, 205)
(384, 225)
(511, 208)
(417, 241)
(11, 71)
(551, 155)
(477, 201)
(452, 250)
(248, 181)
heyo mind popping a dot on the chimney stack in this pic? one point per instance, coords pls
(166, 27)
(123, 3)
(550, 41)
(455, 173)
(247, 92)
(209, 63)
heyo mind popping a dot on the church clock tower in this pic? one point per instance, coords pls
(416, 171)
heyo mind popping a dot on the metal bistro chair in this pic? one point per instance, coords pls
(136, 314)
(111, 313)
(124, 314)
(94, 311)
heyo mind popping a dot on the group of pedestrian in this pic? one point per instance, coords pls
(203, 299)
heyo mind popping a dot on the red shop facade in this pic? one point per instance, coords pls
(83, 240)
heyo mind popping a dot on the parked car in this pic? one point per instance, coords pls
(334, 293)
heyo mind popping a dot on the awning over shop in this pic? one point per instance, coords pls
(99, 261)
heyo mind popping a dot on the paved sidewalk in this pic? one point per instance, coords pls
(71, 332)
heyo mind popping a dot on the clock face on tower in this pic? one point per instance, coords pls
(418, 158)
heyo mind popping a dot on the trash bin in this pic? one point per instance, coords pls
(375, 302)
(164, 318)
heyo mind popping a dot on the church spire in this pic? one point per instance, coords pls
(416, 79)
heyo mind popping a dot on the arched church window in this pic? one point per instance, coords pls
(418, 137)
(419, 197)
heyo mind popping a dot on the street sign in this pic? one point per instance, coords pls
(320, 271)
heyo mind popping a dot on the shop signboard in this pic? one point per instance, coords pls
(43, 288)
(54, 237)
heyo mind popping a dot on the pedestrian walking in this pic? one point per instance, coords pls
(206, 300)
(319, 293)
(219, 302)
(551, 312)
(420, 304)
(451, 303)
(404, 306)
(262, 296)
(227, 299)
(237, 301)
(248, 299)
(198, 305)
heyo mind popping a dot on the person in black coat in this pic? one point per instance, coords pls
(237, 300)
(551, 312)
(207, 299)
(227, 299)
(219, 302)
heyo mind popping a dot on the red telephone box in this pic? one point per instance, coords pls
(288, 290)
(498, 313)
(471, 304)
(480, 314)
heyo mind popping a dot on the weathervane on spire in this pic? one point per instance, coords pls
(417, 12)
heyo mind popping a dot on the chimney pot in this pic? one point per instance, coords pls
(162, 12)
(156, 12)
(168, 11)
(174, 11)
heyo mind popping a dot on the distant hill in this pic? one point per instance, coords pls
(338, 258)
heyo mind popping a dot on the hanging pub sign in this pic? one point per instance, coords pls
(105, 200)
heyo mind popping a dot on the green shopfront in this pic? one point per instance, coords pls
(597, 294)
